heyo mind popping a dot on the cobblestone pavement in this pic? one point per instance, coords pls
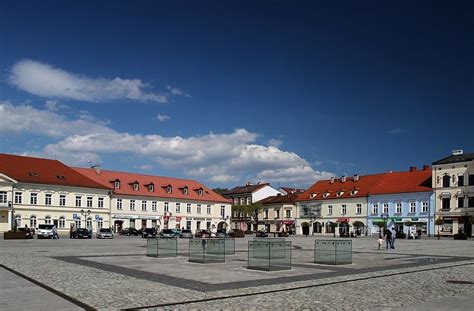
(115, 274)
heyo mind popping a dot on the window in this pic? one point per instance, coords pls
(222, 211)
(135, 186)
(132, 205)
(153, 206)
(144, 206)
(242, 201)
(167, 207)
(446, 203)
(33, 222)
(412, 207)
(3, 197)
(198, 209)
(151, 188)
(188, 208)
(89, 223)
(200, 192)
(471, 179)
(249, 200)
(18, 220)
(62, 222)
(424, 207)
(209, 209)
(471, 202)
(398, 208)
(343, 209)
(208, 225)
(340, 193)
(460, 180)
(119, 204)
(117, 184)
(89, 202)
(446, 180)
(78, 201)
(178, 207)
(288, 213)
(460, 202)
(265, 214)
(185, 190)
(385, 208)
(62, 200)
(100, 202)
(236, 201)
(277, 213)
(100, 223)
(47, 199)
(375, 208)
(169, 189)
(329, 209)
(47, 220)
(359, 209)
(78, 222)
(34, 199)
(18, 197)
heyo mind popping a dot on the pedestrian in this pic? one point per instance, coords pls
(55, 233)
(394, 235)
(71, 232)
(380, 241)
(388, 239)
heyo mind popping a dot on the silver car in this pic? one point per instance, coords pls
(105, 234)
(45, 231)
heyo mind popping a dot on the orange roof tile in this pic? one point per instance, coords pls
(107, 178)
(404, 182)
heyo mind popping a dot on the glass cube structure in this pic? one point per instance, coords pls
(269, 254)
(333, 252)
(162, 247)
(210, 250)
(229, 244)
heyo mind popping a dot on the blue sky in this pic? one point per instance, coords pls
(230, 92)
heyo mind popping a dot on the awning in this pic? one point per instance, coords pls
(445, 195)
(288, 222)
(343, 219)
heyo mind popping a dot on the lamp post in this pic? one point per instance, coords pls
(85, 213)
(312, 218)
(385, 218)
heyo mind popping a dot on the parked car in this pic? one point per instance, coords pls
(129, 231)
(20, 233)
(221, 234)
(203, 234)
(261, 234)
(45, 231)
(149, 233)
(236, 233)
(82, 233)
(167, 233)
(105, 233)
(186, 234)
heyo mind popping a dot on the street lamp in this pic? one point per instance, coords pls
(85, 213)
(312, 218)
(385, 218)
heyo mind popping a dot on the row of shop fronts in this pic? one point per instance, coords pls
(267, 225)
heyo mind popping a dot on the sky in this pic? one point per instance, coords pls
(227, 92)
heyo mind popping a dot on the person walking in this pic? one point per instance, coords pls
(388, 239)
(394, 235)
(55, 233)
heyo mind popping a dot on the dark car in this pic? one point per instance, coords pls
(167, 233)
(203, 234)
(186, 234)
(221, 234)
(261, 234)
(26, 233)
(82, 233)
(149, 233)
(129, 231)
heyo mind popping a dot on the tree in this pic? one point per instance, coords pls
(439, 222)
(252, 210)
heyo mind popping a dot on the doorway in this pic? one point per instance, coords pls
(118, 225)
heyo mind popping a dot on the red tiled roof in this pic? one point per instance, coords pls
(290, 198)
(404, 182)
(244, 189)
(127, 179)
(363, 185)
(43, 171)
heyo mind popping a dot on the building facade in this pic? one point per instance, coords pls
(337, 206)
(404, 200)
(37, 191)
(279, 213)
(453, 184)
(145, 201)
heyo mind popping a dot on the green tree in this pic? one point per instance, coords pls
(382, 224)
(439, 222)
(252, 210)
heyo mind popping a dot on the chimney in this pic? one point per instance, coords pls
(332, 180)
(343, 178)
(457, 152)
(248, 183)
(412, 168)
(356, 177)
(426, 167)
(96, 168)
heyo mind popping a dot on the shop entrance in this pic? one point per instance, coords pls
(344, 229)
(118, 225)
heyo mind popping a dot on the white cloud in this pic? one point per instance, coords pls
(145, 167)
(163, 117)
(27, 119)
(219, 158)
(175, 91)
(47, 81)
(274, 142)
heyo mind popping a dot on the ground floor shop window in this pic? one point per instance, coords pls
(208, 225)
(447, 226)
(33, 222)
(62, 222)
(132, 223)
(330, 227)
(317, 227)
(100, 223)
(78, 223)
(188, 224)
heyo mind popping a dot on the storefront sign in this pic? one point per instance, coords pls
(414, 219)
(451, 218)
(178, 218)
(288, 222)
(397, 219)
(343, 219)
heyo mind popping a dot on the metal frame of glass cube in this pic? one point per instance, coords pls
(229, 246)
(333, 252)
(162, 247)
(207, 250)
(269, 254)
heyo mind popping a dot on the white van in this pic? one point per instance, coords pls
(45, 231)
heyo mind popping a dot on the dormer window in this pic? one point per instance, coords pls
(151, 188)
(135, 186)
(117, 184)
(340, 193)
(169, 189)
(313, 195)
(325, 195)
(185, 190)
(200, 192)
(354, 192)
